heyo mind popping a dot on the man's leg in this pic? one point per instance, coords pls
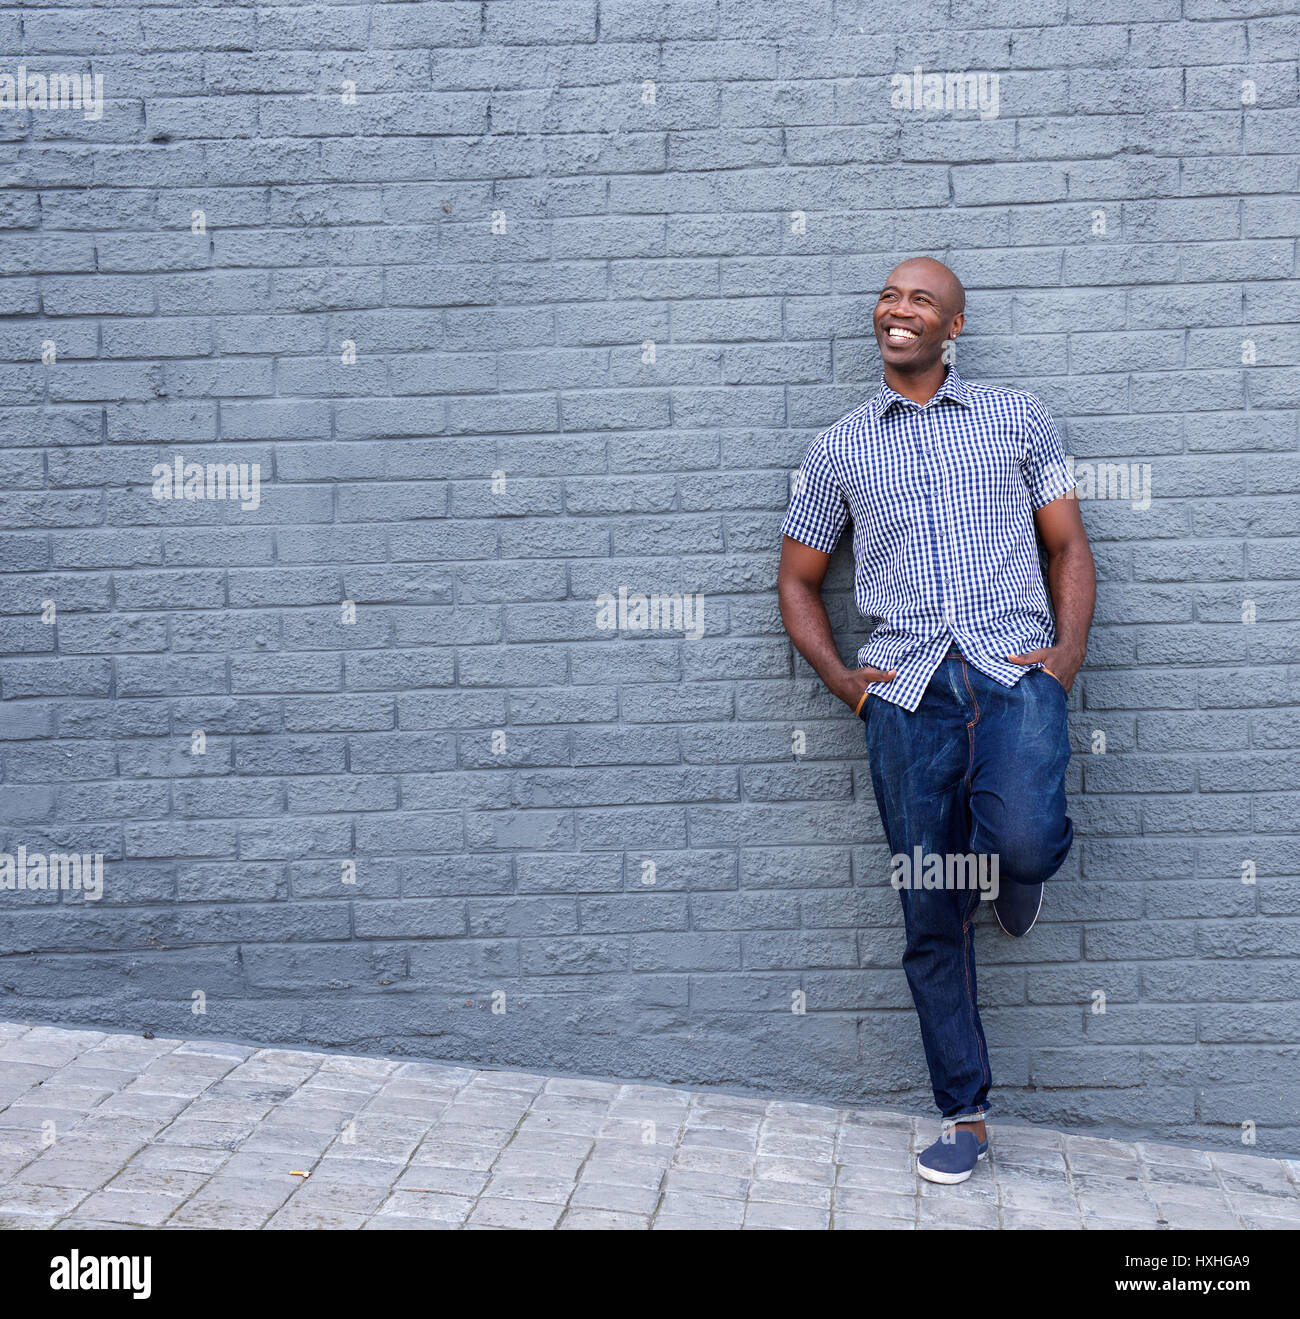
(919, 764)
(1021, 748)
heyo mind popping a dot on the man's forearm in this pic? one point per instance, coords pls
(804, 614)
(1072, 581)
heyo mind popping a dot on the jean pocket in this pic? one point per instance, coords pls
(1054, 678)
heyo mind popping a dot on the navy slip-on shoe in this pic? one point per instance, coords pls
(952, 1158)
(1017, 907)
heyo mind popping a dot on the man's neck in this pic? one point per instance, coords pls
(919, 386)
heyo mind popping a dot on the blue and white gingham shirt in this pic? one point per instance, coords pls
(942, 498)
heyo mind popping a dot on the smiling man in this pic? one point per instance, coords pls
(962, 683)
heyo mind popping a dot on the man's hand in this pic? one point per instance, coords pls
(1062, 664)
(851, 684)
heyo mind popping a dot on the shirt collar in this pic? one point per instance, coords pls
(953, 387)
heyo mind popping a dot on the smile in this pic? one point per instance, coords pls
(897, 332)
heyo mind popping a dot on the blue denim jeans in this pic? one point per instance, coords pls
(979, 768)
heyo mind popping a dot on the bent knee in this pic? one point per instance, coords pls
(1031, 856)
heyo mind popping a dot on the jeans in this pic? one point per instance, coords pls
(979, 768)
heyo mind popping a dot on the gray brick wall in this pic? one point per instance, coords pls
(640, 843)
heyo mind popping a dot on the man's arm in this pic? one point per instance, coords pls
(799, 590)
(1072, 581)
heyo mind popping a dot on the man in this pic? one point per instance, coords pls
(962, 684)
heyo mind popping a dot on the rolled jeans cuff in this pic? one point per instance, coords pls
(977, 1116)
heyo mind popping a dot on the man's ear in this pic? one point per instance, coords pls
(957, 322)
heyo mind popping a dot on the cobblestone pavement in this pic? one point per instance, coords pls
(110, 1130)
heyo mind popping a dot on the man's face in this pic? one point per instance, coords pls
(911, 319)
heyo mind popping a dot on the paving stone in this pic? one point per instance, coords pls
(440, 1154)
(76, 1223)
(106, 1132)
(428, 1204)
(1127, 1208)
(1264, 1223)
(220, 1214)
(1268, 1206)
(157, 1181)
(181, 1158)
(1172, 1154)
(1131, 1185)
(445, 1181)
(603, 1220)
(691, 1204)
(517, 1162)
(574, 1123)
(1040, 1220)
(400, 1223)
(142, 1208)
(1258, 1175)
(460, 1133)
(578, 1088)
(705, 1183)
(783, 1145)
(238, 1192)
(979, 1187)
(380, 1151)
(23, 1198)
(787, 1217)
(38, 1116)
(1194, 1217)
(935, 1212)
(795, 1170)
(1177, 1174)
(889, 1157)
(878, 1204)
(622, 1199)
(200, 1135)
(206, 1135)
(682, 1223)
(546, 1190)
(215, 1049)
(354, 1197)
(719, 1138)
(1102, 1165)
(1036, 1197)
(292, 1143)
(131, 1102)
(625, 1172)
(556, 1143)
(791, 1193)
(57, 1170)
(1005, 1136)
(295, 1217)
(517, 1214)
(723, 1120)
(1178, 1201)
(856, 1177)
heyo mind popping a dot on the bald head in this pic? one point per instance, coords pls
(919, 310)
(925, 273)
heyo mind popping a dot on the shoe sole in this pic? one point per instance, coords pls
(947, 1178)
(1028, 927)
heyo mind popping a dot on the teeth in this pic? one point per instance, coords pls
(897, 332)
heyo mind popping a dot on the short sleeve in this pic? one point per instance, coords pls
(817, 511)
(1047, 474)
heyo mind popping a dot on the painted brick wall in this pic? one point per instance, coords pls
(600, 272)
